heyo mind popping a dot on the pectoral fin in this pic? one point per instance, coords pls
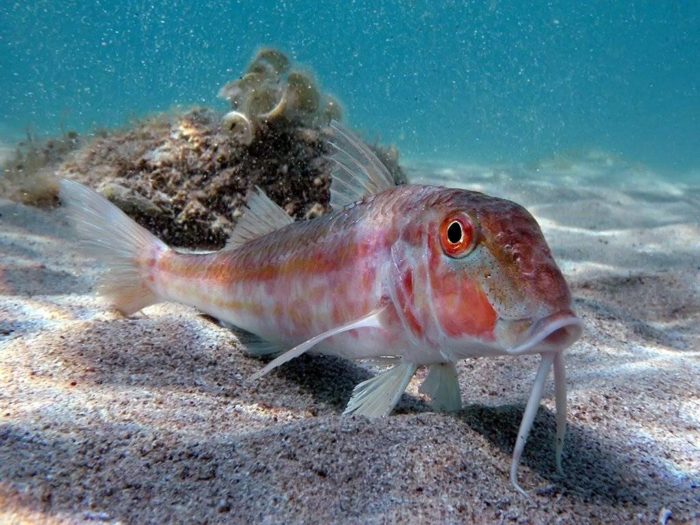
(442, 385)
(370, 320)
(376, 397)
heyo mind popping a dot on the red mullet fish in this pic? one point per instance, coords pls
(417, 275)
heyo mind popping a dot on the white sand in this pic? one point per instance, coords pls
(147, 419)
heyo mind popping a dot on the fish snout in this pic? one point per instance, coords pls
(552, 333)
(559, 330)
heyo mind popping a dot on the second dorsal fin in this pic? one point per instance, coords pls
(263, 216)
(356, 170)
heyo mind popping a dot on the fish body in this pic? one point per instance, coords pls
(310, 277)
(420, 275)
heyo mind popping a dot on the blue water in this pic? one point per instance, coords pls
(496, 82)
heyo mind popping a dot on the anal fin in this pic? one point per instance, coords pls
(256, 346)
(442, 385)
(253, 344)
(377, 396)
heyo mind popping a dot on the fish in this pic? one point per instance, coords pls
(410, 275)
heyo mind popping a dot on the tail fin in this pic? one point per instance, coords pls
(128, 249)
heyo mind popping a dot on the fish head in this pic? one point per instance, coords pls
(492, 282)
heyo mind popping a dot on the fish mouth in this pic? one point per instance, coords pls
(553, 333)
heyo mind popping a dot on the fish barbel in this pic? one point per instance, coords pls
(418, 275)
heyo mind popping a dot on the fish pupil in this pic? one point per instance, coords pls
(454, 232)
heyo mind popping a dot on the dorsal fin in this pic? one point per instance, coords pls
(356, 170)
(262, 217)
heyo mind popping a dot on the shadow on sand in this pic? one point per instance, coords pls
(153, 472)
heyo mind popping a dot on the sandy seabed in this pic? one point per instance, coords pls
(148, 420)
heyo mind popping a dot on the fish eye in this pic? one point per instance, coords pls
(457, 235)
(455, 232)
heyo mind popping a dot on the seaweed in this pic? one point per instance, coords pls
(272, 90)
(27, 176)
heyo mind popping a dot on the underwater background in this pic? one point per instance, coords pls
(478, 82)
(587, 114)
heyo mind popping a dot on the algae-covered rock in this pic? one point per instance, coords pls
(128, 200)
(196, 177)
(186, 176)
